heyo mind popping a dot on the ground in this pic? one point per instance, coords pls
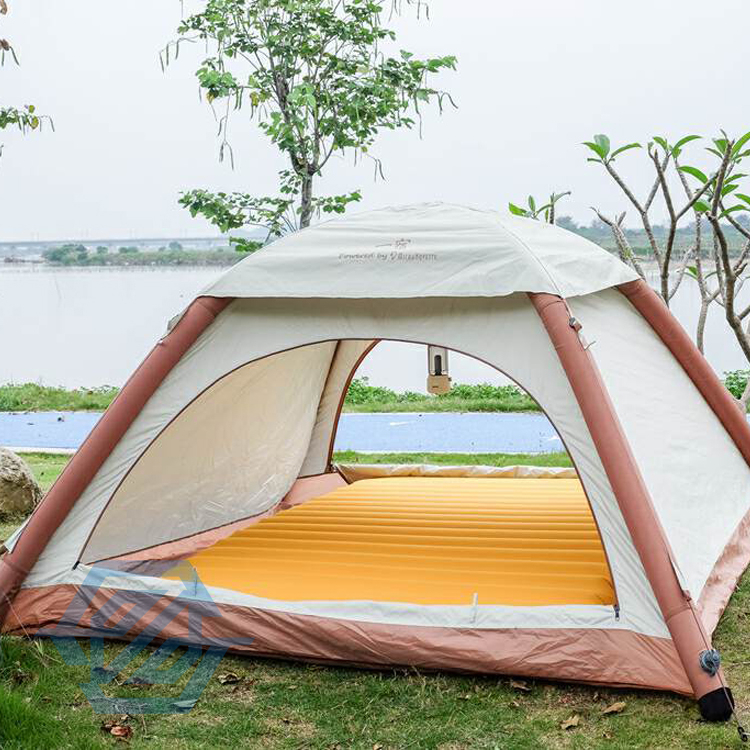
(257, 703)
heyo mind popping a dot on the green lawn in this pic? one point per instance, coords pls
(274, 704)
(462, 459)
(35, 397)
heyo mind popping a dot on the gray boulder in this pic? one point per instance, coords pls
(19, 491)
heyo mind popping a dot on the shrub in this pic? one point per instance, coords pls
(735, 381)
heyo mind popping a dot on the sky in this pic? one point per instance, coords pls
(533, 81)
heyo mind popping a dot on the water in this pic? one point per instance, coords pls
(406, 433)
(91, 327)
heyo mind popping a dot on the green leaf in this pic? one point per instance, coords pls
(686, 140)
(692, 271)
(728, 189)
(743, 197)
(600, 152)
(721, 145)
(733, 177)
(618, 151)
(739, 143)
(663, 143)
(734, 209)
(532, 203)
(602, 141)
(701, 207)
(695, 172)
(517, 210)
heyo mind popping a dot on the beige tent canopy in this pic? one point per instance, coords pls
(218, 450)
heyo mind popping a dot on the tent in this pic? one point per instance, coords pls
(218, 451)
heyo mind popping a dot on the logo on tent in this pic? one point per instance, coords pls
(141, 614)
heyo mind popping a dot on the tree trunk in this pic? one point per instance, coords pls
(306, 208)
(664, 283)
(745, 397)
(701, 329)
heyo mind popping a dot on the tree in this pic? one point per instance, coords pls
(26, 117)
(721, 201)
(718, 252)
(663, 156)
(313, 76)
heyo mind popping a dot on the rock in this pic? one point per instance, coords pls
(19, 491)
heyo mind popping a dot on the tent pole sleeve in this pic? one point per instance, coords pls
(651, 306)
(54, 508)
(629, 488)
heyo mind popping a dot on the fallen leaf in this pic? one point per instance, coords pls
(117, 730)
(572, 722)
(597, 696)
(615, 708)
(515, 704)
(466, 697)
(520, 685)
(377, 746)
(229, 678)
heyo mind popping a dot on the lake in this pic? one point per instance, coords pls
(406, 433)
(90, 327)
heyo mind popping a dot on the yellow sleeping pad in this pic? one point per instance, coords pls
(423, 540)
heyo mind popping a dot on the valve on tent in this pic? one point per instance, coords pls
(438, 380)
(710, 661)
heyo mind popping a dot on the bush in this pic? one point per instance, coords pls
(461, 397)
(483, 391)
(361, 392)
(735, 381)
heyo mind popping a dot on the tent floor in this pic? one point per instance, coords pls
(423, 540)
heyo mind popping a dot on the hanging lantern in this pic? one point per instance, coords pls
(438, 380)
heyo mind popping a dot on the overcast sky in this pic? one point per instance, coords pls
(533, 81)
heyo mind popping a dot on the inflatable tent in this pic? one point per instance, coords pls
(218, 451)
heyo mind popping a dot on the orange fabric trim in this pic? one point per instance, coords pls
(617, 658)
(629, 488)
(722, 580)
(735, 557)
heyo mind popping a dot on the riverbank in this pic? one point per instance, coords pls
(361, 398)
(31, 397)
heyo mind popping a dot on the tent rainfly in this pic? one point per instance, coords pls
(219, 450)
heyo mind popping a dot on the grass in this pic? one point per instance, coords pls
(453, 459)
(431, 404)
(286, 705)
(35, 397)
(362, 397)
